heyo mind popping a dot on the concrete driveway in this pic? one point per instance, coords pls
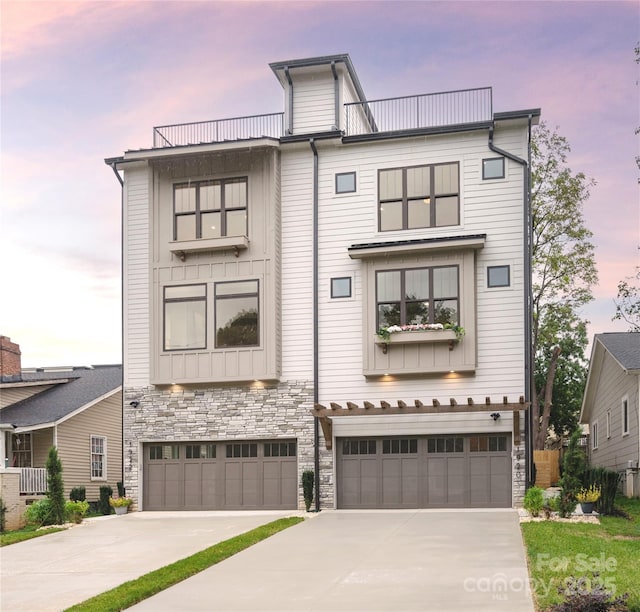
(336, 560)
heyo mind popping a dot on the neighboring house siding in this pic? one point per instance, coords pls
(136, 283)
(9, 396)
(41, 441)
(613, 385)
(74, 446)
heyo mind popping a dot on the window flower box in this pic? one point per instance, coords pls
(417, 335)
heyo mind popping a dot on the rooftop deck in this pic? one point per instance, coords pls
(389, 115)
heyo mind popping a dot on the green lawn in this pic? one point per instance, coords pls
(27, 533)
(558, 550)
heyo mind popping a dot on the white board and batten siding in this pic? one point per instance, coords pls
(136, 290)
(491, 207)
(313, 101)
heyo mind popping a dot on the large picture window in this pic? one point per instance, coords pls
(418, 197)
(420, 295)
(210, 209)
(185, 317)
(236, 312)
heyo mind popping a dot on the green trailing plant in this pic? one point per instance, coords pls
(78, 494)
(76, 510)
(105, 494)
(534, 500)
(572, 475)
(39, 513)
(384, 333)
(607, 481)
(589, 594)
(55, 486)
(308, 479)
(3, 515)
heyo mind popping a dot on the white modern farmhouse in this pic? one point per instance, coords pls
(341, 287)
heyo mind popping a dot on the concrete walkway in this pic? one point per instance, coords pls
(398, 561)
(61, 569)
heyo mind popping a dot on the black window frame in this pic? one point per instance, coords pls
(431, 195)
(491, 285)
(198, 212)
(334, 295)
(165, 301)
(355, 186)
(404, 301)
(492, 159)
(255, 294)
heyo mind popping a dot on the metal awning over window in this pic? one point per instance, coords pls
(325, 415)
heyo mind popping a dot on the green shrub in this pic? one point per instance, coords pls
(55, 486)
(78, 494)
(534, 500)
(308, 479)
(103, 505)
(573, 465)
(607, 481)
(40, 513)
(3, 519)
(76, 510)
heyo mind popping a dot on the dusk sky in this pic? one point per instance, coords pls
(82, 81)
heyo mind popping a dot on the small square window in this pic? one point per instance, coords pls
(498, 276)
(493, 168)
(341, 287)
(346, 182)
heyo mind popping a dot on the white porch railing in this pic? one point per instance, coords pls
(33, 481)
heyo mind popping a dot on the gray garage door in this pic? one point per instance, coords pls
(246, 475)
(425, 472)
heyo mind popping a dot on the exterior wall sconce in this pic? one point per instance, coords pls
(495, 415)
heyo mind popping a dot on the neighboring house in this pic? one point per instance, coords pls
(610, 406)
(261, 256)
(76, 409)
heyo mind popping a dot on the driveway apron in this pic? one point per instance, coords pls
(61, 569)
(369, 561)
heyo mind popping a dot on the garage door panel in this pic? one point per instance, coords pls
(211, 498)
(192, 485)
(500, 481)
(250, 483)
(457, 479)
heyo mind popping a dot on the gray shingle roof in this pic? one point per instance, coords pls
(624, 346)
(85, 386)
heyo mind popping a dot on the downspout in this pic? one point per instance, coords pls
(316, 394)
(286, 73)
(122, 230)
(527, 234)
(336, 96)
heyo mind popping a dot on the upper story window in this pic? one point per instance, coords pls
(420, 295)
(345, 182)
(185, 317)
(418, 197)
(492, 168)
(210, 209)
(237, 314)
(625, 416)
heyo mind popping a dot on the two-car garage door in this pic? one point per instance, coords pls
(424, 472)
(221, 476)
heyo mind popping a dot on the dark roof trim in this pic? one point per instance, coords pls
(373, 249)
(448, 129)
(323, 60)
(315, 136)
(518, 114)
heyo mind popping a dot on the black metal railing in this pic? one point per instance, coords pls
(421, 111)
(236, 128)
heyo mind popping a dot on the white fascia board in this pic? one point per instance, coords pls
(178, 151)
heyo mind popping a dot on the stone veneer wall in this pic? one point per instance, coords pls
(519, 474)
(180, 414)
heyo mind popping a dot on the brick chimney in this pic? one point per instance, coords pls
(10, 362)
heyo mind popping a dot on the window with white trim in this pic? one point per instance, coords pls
(20, 450)
(594, 435)
(418, 197)
(625, 416)
(98, 458)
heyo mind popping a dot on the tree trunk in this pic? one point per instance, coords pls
(542, 422)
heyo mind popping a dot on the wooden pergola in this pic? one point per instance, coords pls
(325, 415)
